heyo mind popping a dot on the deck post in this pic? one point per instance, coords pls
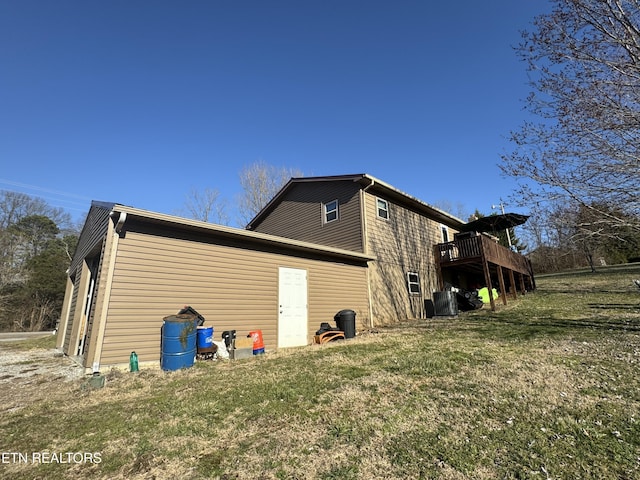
(512, 279)
(487, 278)
(502, 286)
(522, 286)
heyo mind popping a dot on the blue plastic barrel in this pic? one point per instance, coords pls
(205, 339)
(178, 342)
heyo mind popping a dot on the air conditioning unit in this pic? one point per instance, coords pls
(445, 303)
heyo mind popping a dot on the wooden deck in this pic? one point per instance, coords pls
(482, 256)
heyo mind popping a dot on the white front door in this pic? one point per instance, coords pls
(292, 303)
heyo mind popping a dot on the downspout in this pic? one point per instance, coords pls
(121, 219)
(371, 184)
(364, 216)
(366, 244)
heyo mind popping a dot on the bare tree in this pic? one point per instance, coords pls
(206, 206)
(16, 205)
(11, 265)
(260, 182)
(458, 209)
(567, 236)
(26, 224)
(584, 62)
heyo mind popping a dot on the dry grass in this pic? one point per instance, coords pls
(546, 388)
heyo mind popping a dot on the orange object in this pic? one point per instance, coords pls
(258, 343)
(329, 336)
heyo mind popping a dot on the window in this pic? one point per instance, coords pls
(330, 211)
(445, 234)
(413, 283)
(383, 208)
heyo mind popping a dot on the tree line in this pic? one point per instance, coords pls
(36, 245)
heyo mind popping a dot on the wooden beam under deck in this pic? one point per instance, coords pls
(481, 256)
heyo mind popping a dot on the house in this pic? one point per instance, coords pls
(413, 244)
(364, 214)
(133, 267)
(321, 245)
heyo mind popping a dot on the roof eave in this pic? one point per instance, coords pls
(369, 182)
(409, 200)
(238, 233)
(276, 198)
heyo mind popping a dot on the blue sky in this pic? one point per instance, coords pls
(137, 102)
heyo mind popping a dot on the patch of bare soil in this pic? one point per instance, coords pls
(30, 375)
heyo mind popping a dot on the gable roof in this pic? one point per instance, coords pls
(368, 183)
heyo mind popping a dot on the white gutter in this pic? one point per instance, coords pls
(121, 219)
(366, 246)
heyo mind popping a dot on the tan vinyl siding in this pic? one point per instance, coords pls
(233, 287)
(72, 310)
(77, 320)
(99, 299)
(300, 215)
(92, 309)
(403, 243)
(64, 314)
(93, 233)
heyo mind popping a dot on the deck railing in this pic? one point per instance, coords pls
(472, 249)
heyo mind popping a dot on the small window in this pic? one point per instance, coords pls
(445, 234)
(413, 283)
(383, 208)
(330, 211)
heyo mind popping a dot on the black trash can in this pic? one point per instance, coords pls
(346, 321)
(429, 308)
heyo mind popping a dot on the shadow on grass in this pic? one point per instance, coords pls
(614, 306)
(557, 325)
(508, 327)
(519, 326)
(586, 290)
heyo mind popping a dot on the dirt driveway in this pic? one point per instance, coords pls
(26, 375)
(17, 336)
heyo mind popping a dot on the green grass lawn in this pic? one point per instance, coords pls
(547, 387)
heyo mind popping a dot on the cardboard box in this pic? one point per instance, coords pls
(244, 342)
(240, 353)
